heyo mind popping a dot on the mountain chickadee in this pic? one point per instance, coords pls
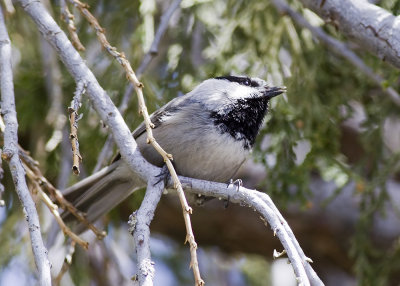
(209, 131)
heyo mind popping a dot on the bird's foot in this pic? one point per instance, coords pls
(164, 175)
(238, 183)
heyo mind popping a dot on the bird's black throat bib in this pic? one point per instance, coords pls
(242, 119)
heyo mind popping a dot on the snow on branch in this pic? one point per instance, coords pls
(10, 153)
(373, 27)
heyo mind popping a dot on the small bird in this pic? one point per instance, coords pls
(210, 132)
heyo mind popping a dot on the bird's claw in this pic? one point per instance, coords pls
(163, 176)
(238, 183)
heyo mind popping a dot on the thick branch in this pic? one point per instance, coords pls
(120, 57)
(264, 205)
(98, 97)
(373, 27)
(110, 115)
(337, 47)
(139, 223)
(10, 153)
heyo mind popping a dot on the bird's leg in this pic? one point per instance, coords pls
(226, 202)
(164, 175)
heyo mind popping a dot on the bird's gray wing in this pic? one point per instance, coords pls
(156, 118)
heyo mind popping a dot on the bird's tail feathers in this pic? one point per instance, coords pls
(100, 192)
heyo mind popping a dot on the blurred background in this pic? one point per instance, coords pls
(328, 154)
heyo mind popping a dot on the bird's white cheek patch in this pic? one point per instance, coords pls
(242, 91)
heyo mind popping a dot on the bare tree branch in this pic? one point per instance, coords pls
(110, 115)
(66, 264)
(120, 57)
(373, 27)
(139, 227)
(74, 118)
(263, 205)
(106, 151)
(37, 189)
(69, 20)
(101, 102)
(9, 6)
(10, 153)
(337, 47)
(314, 279)
(32, 168)
(162, 28)
(2, 203)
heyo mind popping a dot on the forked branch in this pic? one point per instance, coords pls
(120, 57)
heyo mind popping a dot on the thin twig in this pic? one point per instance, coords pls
(312, 275)
(339, 48)
(375, 28)
(278, 229)
(109, 113)
(9, 6)
(2, 202)
(264, 205)
(66, 230)
(10, 153)
(32, 166)
(101, 102)
(66, 264)
(68, 18)
(106, 151)
(74, 118)
(120, 57)
(53, 208)
(162, 28)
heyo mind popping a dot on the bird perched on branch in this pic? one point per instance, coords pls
(210, 132)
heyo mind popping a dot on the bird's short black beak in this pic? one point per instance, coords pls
(271, 92)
